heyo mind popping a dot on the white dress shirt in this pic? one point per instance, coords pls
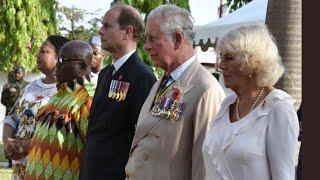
(176, 73)
(259, 146)
(94, 77)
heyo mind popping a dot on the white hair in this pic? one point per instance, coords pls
(255, 48)
(174, 19)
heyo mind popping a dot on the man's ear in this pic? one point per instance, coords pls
(178, 37)
(128, 32)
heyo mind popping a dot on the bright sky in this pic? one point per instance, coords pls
(203, 11)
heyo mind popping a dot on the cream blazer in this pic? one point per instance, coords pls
(164, 150)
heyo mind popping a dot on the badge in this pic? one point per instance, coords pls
(118, 89)
(169, 108)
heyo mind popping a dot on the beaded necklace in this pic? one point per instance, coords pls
(252, 106)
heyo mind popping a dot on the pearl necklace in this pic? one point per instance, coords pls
(252, 106)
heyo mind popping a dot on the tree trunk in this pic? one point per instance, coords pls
(284, 20)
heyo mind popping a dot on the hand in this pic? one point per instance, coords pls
(15, 150)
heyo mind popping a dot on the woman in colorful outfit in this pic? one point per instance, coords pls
(56, 147)
(21, 124)
(255, 134)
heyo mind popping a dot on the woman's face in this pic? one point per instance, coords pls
(233, 77)
(46, 58)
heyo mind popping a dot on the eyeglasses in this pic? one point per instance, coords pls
(62, 60)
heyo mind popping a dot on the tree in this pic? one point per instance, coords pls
(145, 6)
(284, 20)
(236, 4)
(73, 15)
(24, 25)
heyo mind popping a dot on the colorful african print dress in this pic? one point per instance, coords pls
(56, 147)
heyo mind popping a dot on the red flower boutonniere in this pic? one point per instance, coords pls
(176, 93)
(39, 97)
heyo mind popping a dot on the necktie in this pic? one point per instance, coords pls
(112, 70)
(165, 83)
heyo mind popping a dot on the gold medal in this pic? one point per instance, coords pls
(117, 96)
(111, 89)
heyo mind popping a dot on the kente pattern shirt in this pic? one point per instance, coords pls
(56, 146)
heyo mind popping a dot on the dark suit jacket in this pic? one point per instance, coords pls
(112, 123)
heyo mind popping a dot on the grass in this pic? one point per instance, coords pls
(5, 173)
(2, 155)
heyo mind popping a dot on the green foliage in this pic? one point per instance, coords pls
(24, 23)
(145, 6)
(236, 4)
(73, 15)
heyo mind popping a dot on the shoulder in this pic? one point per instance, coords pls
(140, 69)
(281, 106)
(103, 70)
(205, 80)
(279, 99)
(90, 88)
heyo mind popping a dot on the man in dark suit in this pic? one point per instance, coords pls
(121, 91)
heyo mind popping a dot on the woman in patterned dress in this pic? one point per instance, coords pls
(19, 127)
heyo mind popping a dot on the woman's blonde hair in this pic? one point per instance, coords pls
(255, 48)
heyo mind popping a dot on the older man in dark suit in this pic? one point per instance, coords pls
(121, 90)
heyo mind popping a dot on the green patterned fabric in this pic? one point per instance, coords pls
(56, 146)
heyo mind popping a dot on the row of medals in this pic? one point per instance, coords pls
(118, 90)
(167, 108)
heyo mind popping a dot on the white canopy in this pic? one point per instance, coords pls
(208, 56)
(253, 12)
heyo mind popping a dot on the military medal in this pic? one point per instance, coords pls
(122, 92)
(110, 89)
(169, 108)
(118, 90)
(114, 88)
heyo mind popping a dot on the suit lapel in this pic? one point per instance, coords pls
(106, 75)
(147, 121)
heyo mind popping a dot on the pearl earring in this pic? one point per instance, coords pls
(250, 75)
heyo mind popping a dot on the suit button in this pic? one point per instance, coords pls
(146, 157)
(157, 135)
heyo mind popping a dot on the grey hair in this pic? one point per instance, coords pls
(175, 19)
(255, 48)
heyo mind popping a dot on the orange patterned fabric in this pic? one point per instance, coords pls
(56, 146)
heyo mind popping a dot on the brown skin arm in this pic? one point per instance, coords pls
(7, 133)
(12, 146)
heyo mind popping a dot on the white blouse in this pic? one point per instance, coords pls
(261, 145)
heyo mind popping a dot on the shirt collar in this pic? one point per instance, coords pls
(176, 73)
(119, 62)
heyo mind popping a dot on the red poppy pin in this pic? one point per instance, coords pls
(39, 97)
(176, 93)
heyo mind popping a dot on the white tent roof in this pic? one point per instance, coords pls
(253, 12)
(208, 56)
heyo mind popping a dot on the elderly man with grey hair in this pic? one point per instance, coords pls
(175, 116)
